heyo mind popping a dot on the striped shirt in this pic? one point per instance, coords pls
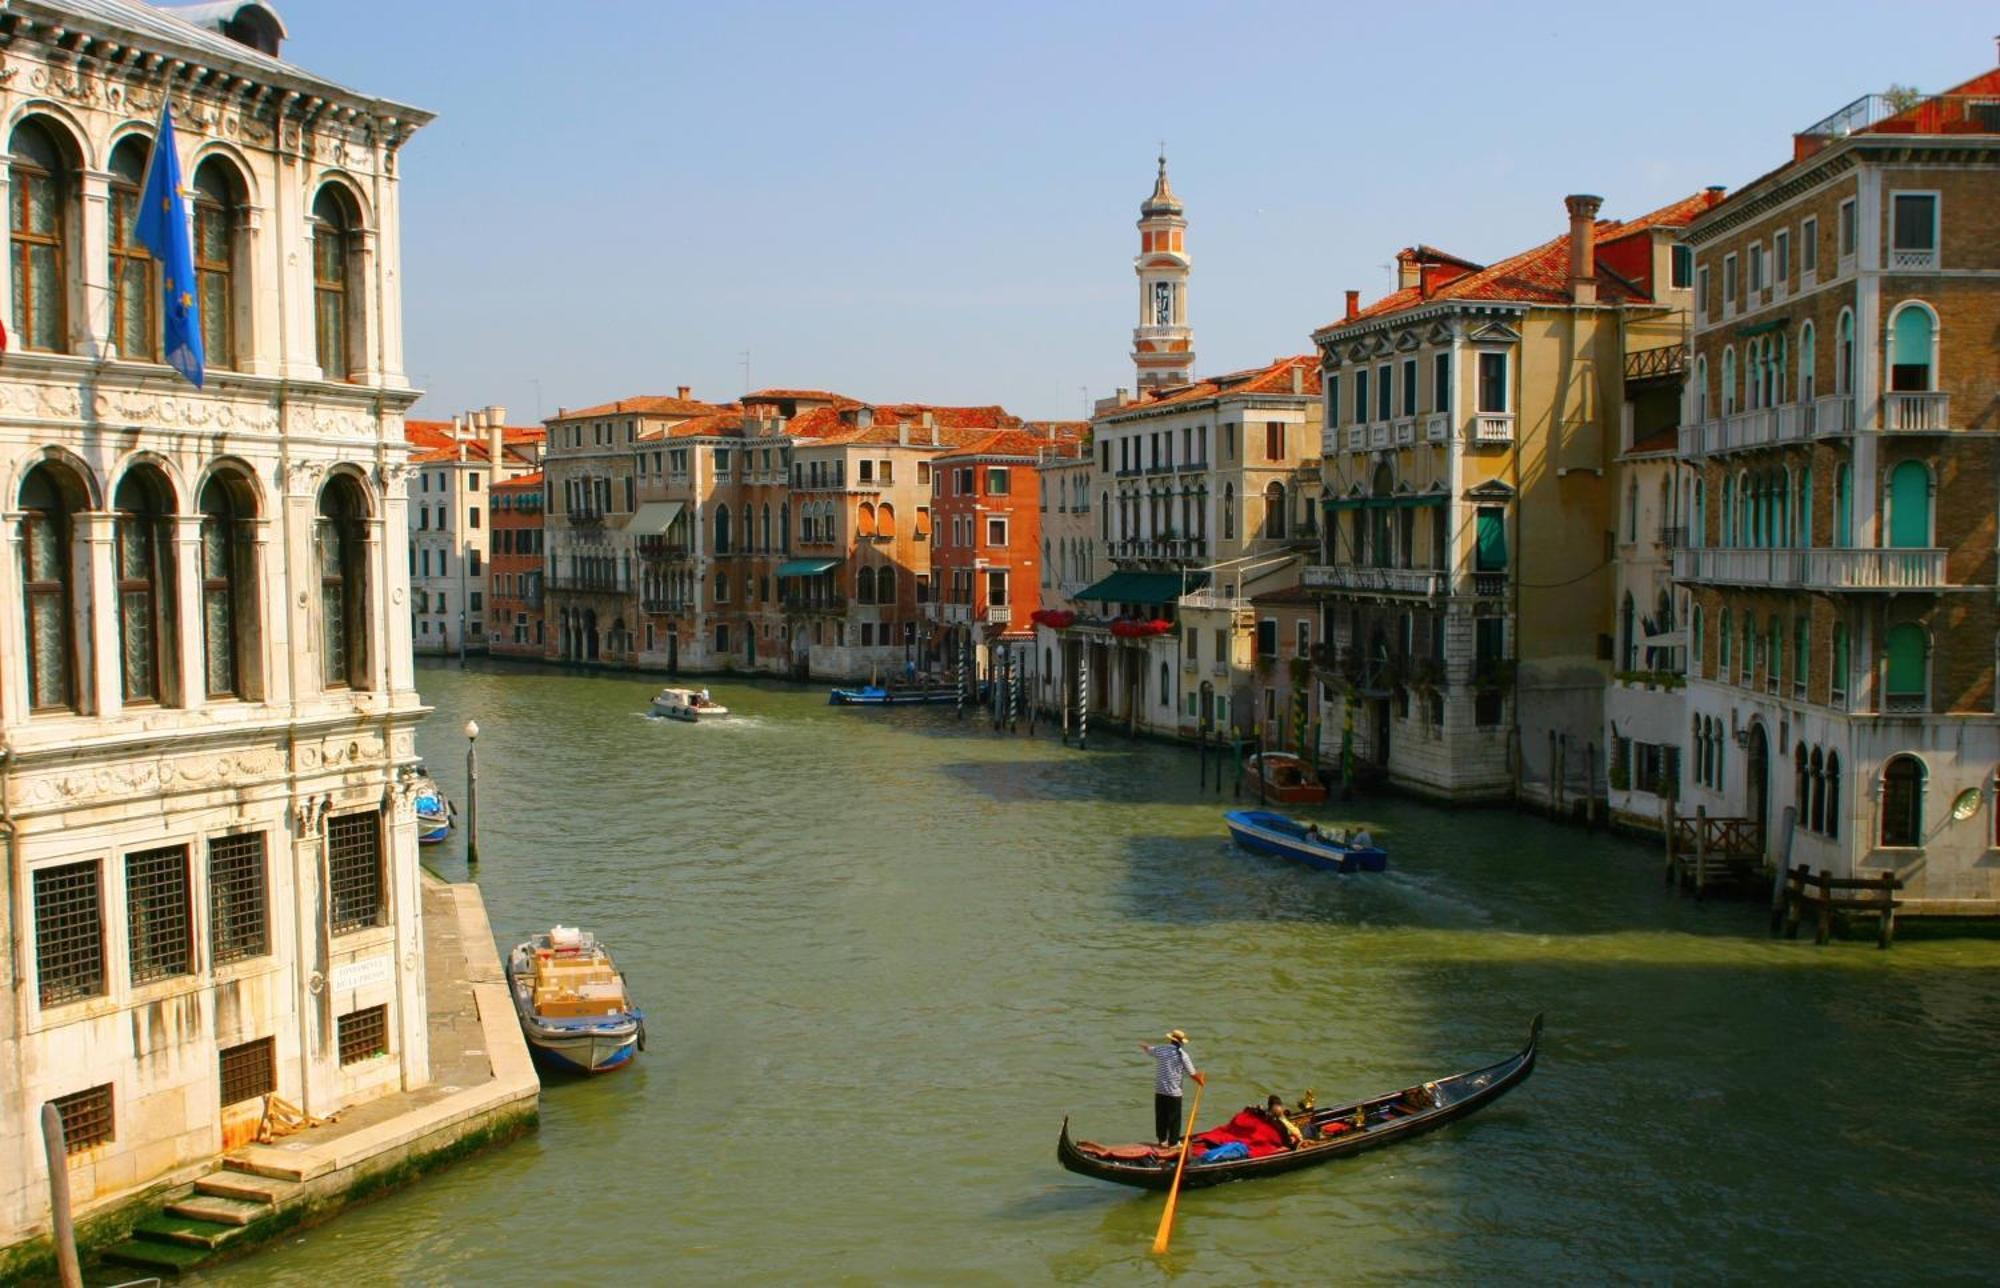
(1170, 1062)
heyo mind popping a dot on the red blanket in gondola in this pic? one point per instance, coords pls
(1248, 1126)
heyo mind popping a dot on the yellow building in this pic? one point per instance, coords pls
(1472, 420)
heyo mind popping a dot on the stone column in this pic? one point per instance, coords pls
(101, 693)
(192, 654)
(90, 317)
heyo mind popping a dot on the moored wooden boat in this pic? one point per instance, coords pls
(572, 1003)
(1265, 832)
(690, 705)
(433, 811)
(1287, 779)
(896, 695)
(1387, 1120)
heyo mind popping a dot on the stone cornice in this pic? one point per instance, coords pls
(1340, 332)
(1782, 185)
(262, 101)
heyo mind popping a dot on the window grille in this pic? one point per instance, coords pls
(69, 933)
(354, 869)
(364, 1034)
(249, 1071)
(156, 910)
(86, 1118)
(236, 907)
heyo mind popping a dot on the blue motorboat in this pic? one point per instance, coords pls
(1264, 832)
(875, 695)
(433, 812)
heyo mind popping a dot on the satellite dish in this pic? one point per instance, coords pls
(1966, 805)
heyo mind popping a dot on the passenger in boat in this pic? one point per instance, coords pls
(1273, 1112)
(1171, 1062)
(1361, 840)
(1313, 833)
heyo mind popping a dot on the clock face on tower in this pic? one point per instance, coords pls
(1163, 304)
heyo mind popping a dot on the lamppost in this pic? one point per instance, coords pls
(472, 791)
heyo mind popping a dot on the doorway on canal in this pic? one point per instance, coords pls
(1757, 773)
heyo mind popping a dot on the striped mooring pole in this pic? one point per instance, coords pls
(1014, 691)
(1083, 700)
(958, 670)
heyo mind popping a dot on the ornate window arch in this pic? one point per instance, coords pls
(1913, 347)
(133, 277)
(340, 552)
(142, 564)
(337, 283)
(230, 629)
(219, 199)
(41, 200)
(52, 495)
(1903, 781)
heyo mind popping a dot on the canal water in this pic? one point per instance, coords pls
(883, 953)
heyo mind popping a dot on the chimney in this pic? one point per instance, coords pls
(1353, 306)
(1583, 210)
(496, 441)
(1409, 269)
(683, 394)
(902, 433)
(1298, 378)
(865, 417)
(495, 414)
(457, 425)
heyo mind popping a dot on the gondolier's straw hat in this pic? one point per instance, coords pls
(1175, 1035)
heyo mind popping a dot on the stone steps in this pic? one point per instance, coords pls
(201, 1222)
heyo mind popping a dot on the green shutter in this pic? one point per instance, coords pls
(1911, 339)
(1492, 530)
(1910, 506)
(1905, 648)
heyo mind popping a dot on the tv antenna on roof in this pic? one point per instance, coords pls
(746, 371)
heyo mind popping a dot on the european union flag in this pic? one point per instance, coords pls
(162, 228)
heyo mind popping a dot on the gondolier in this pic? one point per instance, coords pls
(1171, 1063)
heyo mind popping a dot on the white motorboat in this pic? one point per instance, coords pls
(690, 705)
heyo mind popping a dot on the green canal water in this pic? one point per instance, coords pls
(883, 953)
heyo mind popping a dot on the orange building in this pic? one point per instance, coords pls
(515, 626)
(986, 555)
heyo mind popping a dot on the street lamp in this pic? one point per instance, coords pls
(472, 791)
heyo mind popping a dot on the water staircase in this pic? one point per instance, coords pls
(199, 1226)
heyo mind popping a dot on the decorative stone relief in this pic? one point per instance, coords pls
(305, 476)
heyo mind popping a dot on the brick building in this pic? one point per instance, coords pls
(1840, 556)
(515, 625)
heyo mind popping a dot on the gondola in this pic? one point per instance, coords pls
(1330, 1132)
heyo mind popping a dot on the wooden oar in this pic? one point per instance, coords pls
(1174, 1191)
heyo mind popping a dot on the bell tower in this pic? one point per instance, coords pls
(1163, 342)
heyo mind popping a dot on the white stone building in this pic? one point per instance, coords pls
(206, 700)
(452, 472)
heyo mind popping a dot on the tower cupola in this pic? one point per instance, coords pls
(1162, 342)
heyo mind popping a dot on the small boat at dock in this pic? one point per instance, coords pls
(572, 1003)
(690, 705)
(1265, 832)
(1288, 780)
(433, 811)
(896, 695)
(1334, 1132)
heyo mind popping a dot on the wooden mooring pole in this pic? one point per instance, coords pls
(1700, 849)
(62, 1224)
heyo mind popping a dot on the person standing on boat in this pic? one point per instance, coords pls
(1171, 1063)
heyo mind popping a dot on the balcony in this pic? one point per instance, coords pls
(1815, 568)
(1357, 438)
(585, 518)
(1916, 413)
(1489, 585)
(999, 614)
(1904, 259)
(1493, 427)
(662, 550)
(1378, 435)
(1437, 427)
(667, 606)
(1214, 601)
(1376, 581)
(1405, 431)
(1795, 422)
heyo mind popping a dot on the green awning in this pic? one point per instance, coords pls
(1143, 587)
(653, 518)
(806, 567)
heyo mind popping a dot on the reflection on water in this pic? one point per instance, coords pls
(885, 951)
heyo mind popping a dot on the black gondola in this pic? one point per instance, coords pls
(1388, 1119)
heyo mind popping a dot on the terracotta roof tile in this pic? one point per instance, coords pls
(520, 483)
(642, 405)
(1541, 275)
(1276, 378)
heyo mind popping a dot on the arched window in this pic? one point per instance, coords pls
(1801, 651)
(1910, 506)
(1749, 658)
(1912, 337)
(1801, 784)
(1628, 635)
(143, 565)
(1843, 506)
(43, 185)
(1805, 508)
(864, 586)
(1833, 795)
(1695, 657)
(765, 543)
(1906, 652)
(51, 497)
(1808, 390)
(1698, 530)
(885, 520)
(1814, 809)
(1728, 381)
(885, 586)
(1843, 356)
(228, 588)
(722, 529)
(1229, 512)
(785, 525)
(1903, 801)
(1104, 516)
(1700, 389)
(864, 520)
(1632, 510)
(218, 196)
(1274, 512)
(335, 237)
(1724, 645)
(1774, 651)
(134, 284)
(341, 554)
(1048, 567)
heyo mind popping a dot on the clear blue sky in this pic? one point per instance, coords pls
(936, 201)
